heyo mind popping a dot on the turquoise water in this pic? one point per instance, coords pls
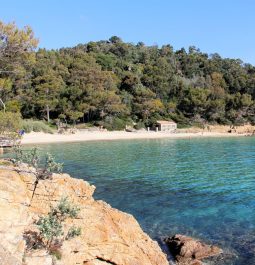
(199, 187)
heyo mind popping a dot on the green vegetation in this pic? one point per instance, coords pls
(73, 232)
(51, 234)
(35, 126)
(111, 82)
(9, 126)
(43, 167)
(10, 122)
(51, 225)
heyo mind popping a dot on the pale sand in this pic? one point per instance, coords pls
(40, 138)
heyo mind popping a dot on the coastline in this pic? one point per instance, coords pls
(108, 235)
(44, 138)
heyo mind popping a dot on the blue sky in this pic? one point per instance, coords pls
(225, 26)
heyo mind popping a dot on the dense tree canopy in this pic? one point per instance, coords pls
(16, 59)
(111, 81)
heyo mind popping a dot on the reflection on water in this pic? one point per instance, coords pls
(199, 187)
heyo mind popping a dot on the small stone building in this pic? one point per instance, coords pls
(166, 126)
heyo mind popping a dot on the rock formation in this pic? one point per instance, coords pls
(189, 251)
(109, 236)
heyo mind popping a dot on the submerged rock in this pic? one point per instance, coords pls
(189, 251)
(109, 236)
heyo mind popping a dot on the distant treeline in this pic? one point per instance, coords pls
(113, 83)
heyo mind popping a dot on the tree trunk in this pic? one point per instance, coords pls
(1, 101)
(88, 116)
(48, 113)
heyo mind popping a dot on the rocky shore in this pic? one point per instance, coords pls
(190, 251)
(108, 236)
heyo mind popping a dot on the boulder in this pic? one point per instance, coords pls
(187, 250)
(108, 236)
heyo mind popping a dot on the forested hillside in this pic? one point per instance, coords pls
(113, 83)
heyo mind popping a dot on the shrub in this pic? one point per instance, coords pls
(198, 125)
(224, 121)
(139, 125)
(51, 226)
(251, 120)
(114, 124)
(179, 118)
(35, 126)
(9, 122)
(84, 125)
(51, 234)
(33, 158)
(66, 209)
(73, 232)
(240, 121)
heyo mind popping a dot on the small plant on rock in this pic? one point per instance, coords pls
(73, 232)
(51, 233)
(43, 169)
(30, 157)
(33, 158)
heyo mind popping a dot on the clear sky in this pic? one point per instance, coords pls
(223, 26)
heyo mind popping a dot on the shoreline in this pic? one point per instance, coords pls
(45, 138)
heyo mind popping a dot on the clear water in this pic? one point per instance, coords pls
(199, 187)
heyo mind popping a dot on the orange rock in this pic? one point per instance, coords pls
(109, 236)
(188, 250)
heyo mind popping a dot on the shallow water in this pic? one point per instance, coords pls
(199, 187)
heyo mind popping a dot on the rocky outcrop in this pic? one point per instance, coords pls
(109, 236)
(189, 251)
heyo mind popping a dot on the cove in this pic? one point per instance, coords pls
(199, 187)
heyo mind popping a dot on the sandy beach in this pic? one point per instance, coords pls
(40, 138)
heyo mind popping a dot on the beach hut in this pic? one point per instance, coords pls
(166, 126)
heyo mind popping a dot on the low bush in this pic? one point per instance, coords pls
(51, 233)
(51, 226)
(84, 125)
(179, 118)
(139, 125)
(32, 158)
(115, 123)
(35, 126)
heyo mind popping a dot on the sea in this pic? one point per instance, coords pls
(203, 188)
